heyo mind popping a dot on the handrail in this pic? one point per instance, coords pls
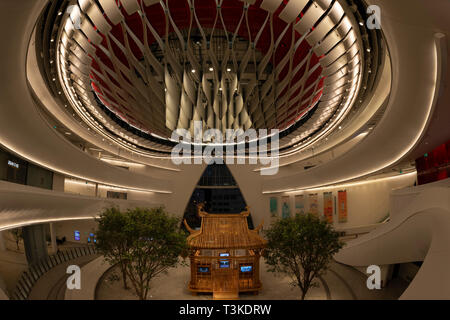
(37, 270)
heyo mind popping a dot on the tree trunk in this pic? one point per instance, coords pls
(303, 295)
(124, 276)
(142, 292)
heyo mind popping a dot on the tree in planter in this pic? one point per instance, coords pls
(157, 244)
(112, 241)
(302, 247)
(145, 242)
(17, 235)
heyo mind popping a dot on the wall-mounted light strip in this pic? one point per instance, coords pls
(103, 186)
(39, 221)
(357, 183)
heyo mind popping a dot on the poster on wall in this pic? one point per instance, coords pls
(328, 206)
(273, 206)
(286, 208)
(299, 204)
(314, 204)
(342, 205)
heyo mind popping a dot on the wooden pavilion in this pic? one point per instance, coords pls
(224, 255)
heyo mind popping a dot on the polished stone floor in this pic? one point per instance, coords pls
(340, 283)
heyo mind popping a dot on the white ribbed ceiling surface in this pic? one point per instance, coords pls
(160, 65)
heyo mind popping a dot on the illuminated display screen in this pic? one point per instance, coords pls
(224, 264)
(203, 269)
(77, 235)
(246, 268)
(224, 254)
(13, 164)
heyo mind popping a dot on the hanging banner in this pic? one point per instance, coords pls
(342, 205)
(314, 204)
(299, 204)
(286, 208)
(273, 206)
(328, 206)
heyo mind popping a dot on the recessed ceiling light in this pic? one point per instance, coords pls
(193, 70)
(368, 50)
(361, 23)
(228, 69)
(211, 69)
(340, 127)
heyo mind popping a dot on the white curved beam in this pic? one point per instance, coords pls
(405, 120)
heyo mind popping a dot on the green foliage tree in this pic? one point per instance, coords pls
(154, 243)
(301, 247)
(112, 241)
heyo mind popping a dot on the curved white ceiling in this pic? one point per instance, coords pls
(414, 71)
(416, 83)
(188, 90)
(23, 131)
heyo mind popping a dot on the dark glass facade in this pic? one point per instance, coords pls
(220, 193)
(13, 169)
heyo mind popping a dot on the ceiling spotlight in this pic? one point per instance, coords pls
(54, 79)
(193, 70)
(59, 13)
(361, 23)
(228, 69)
(211, 69)
(51, 40)
(368, 50)
(340, 127)
(220, 88)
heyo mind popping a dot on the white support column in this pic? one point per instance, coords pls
(96, 190)
(53, 238)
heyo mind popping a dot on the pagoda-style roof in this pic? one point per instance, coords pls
(223, 231)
